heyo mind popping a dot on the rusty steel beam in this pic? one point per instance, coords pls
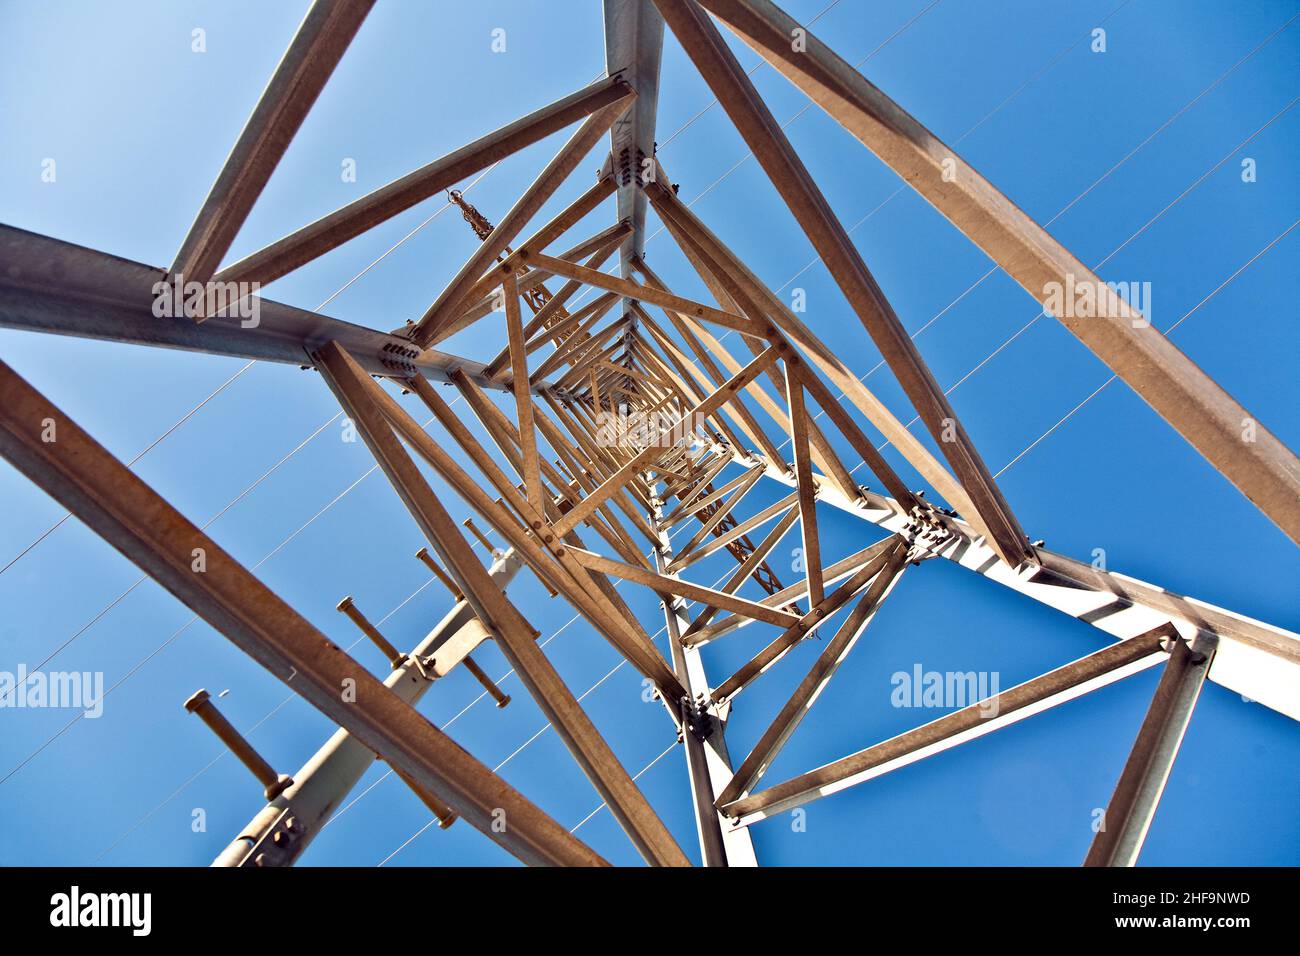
(1132, 807)
(50, 449)
(773, 151)
(805, 695)
(320, 786)
(331, 231)
(48, 285)
(321, 40)
(1033, 696)
(516, 638)
(634, 40)
(438, 318)
(1262, 468)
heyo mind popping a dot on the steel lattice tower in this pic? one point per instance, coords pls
(623, 426)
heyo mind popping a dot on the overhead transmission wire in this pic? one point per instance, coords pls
(1163, 126)
(636, 776)
(1174, 202)
(275, 710)
(243, 494)
(1065, 209)
(583, 294)
(221, 753)
(796, 116)
(150, 447)
(696, 199)
(228, 382)
(1210, 295)
(901, 189)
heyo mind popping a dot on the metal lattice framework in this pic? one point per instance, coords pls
(565, 470)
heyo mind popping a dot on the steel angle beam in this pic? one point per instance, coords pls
(48, 285)
(50, 449)
(634, 39)
(1033, 696)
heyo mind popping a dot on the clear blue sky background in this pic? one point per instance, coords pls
(139, 126)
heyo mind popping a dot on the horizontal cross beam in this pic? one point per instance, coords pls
(48, 285)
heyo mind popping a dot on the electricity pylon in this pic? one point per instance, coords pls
(635, 419)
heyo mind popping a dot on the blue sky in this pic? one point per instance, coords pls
(139, 125)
